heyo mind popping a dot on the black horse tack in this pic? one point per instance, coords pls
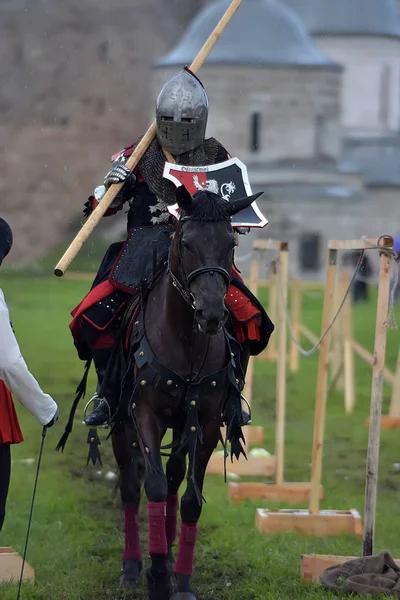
(188, 390)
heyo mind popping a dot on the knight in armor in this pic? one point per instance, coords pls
(181, 115)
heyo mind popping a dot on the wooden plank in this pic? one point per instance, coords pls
(388, 422)
(290, 493)
(322, 381)
(281, 366)
(313, 565)
(296, 319)
(313, 285)
(309, 335)
(324, 523)
(394, 410)
(336, 351)
(352, 244)
(256, 466)
(368, 357)
(371, 485)
(10, 567)
(254, 435)
(348, 356)
(267, 245)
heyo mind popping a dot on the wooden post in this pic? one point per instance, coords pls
(376, 400)
(296, 319)
(394, 410)
(336, 353)
(348, 355)
(271, 351)
(137, 154)
(322, 380)
(281, 366)
(254, 276)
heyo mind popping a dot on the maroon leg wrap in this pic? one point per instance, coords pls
(171, 518)
(157, 534)
(187, 542)
(131, 531)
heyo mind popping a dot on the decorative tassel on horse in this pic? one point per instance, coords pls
(80, 393)
(94, 442)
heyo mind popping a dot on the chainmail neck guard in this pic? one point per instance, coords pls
(151, 166)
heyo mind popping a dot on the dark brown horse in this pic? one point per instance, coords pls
(185, 377)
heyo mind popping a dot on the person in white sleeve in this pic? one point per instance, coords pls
(15, 379)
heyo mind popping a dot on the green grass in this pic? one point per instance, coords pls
(76, 539)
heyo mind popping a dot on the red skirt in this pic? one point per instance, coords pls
(10, 432)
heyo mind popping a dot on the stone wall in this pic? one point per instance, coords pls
(75, 89)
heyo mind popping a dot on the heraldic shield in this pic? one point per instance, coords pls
(228, 179)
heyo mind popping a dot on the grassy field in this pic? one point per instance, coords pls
(76, 540)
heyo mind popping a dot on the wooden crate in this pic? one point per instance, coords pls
(256, 466)
(254, 435)
(321, 524)
(387, 422)
(10, 567)
(290, 493)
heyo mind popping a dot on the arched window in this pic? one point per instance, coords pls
(255, 132)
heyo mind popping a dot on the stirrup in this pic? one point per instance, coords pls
(105, 425)
(248, 406)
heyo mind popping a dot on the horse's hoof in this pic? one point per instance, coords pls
(160, 588)
(184, 596)
(131, 575)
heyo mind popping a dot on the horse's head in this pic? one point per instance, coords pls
(201, 255)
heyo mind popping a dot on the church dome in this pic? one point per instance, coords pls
(262, 32)
(349, 17)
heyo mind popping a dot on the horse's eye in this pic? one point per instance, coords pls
(186, 246)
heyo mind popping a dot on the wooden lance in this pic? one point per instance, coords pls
(137, 154)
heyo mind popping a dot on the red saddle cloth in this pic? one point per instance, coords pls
(10, 432)
(245, 316)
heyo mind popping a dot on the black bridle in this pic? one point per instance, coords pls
(184, 289)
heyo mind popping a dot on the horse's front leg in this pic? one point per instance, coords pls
(159, 582)
(131, 468)
(190, 514)
(176, 470)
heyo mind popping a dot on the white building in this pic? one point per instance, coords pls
(364, 37)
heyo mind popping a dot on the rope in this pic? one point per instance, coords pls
(44, 431)
(390, 322)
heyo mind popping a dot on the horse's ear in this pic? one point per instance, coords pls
(236, 206)
(183, 198)
(232, 208)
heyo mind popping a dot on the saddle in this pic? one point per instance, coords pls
(140, 261)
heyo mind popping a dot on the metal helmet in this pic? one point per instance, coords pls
(181, 114)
